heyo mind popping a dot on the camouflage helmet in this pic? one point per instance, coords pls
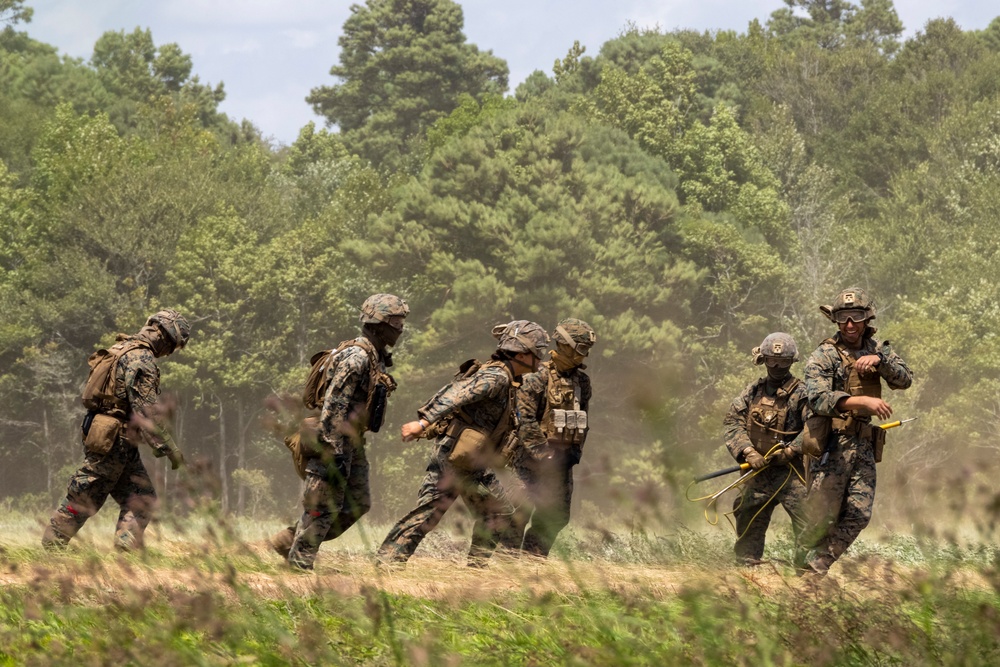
(173, 325)
(382, 308)
(521, 336)
(853, 304)
(777, 345)
(575, 334)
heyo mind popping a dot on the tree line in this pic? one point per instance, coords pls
(685, 192)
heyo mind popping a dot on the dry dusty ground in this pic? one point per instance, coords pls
(187, 567)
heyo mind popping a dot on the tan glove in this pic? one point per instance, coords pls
(754, 458)
(782, 456)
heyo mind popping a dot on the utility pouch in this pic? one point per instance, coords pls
(878, 442)
(102, 434)
(473, 450)
(376, 414)
(294, 444)
(816, 435)
(88, 419)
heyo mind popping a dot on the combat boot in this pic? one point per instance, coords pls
(281, 541)
(53, 540)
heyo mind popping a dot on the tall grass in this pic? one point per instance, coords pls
(209, 592)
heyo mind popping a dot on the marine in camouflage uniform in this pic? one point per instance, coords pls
(844, 385)
(547, 447)
(481, 401)
(762, 428)
(337, 490)
(119, 471)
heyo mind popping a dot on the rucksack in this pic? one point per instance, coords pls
(99, 391)
(318, 382)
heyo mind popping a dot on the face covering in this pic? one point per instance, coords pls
(776, 376)
(161, 344)
(565, 358)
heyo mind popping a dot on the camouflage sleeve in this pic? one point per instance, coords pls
(820, 371)
(141, 379)
(346, 377)
(735, 423)
(892, 368)
(485, 383)
(531, 407)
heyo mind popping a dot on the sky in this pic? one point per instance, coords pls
(269, 53)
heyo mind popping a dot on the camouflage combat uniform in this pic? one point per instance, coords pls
(544, 463)
(842, 491)
(777, 483)
(336, 487)
(482, 399)
(119, 472)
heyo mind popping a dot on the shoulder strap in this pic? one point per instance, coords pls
(786, 389)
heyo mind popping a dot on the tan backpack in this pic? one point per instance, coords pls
(99, 391)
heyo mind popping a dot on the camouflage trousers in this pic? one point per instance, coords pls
(547, 487)
(336, 496)
(118, 473)
(442, 485)
(839, 503)
(752, 509)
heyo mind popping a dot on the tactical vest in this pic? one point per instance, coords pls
(868, 385)
(474, 449)
(768, 415)
(380, 386)
(100, 391)
(563, 420)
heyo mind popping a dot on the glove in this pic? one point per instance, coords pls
(176, 458)
(754, 458)
(783, 456)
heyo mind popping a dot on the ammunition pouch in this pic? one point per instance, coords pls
(101, 433)
(569, 426)
(816, 435)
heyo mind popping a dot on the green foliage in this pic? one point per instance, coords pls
(13, 12)
(136, 71)
(403, 64)
(831, 24)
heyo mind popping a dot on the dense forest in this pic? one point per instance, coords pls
(684, 192)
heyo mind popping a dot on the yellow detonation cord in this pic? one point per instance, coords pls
(713, 498)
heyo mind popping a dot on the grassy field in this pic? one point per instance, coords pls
(214, 594)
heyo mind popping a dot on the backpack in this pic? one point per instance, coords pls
(318, 382)
(99, 391)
